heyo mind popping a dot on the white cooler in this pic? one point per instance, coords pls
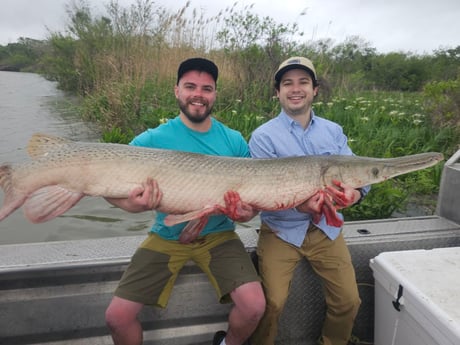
(417, 297)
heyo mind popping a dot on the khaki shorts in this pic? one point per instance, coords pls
(156, 264)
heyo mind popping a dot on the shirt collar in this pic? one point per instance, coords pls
(290, 123)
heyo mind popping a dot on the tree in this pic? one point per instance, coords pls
(397, 71)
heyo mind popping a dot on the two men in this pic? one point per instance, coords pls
(285, 238)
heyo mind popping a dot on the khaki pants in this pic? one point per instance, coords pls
(330, 260)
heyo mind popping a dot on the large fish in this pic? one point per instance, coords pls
(62, 172)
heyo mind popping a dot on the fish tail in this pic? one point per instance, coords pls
(11, 201)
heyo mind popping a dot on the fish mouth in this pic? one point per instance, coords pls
(418, 160)
(403, 165)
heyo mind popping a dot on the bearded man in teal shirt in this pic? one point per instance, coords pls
(217, 250)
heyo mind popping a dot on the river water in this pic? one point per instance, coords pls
(29, 104)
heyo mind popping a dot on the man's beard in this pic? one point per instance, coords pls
(194, 117)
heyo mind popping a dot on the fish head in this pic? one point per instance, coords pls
(359, 171)
(392, 167)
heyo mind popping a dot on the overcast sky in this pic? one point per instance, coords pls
(418, 26)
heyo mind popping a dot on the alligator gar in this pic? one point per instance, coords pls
(61, 172)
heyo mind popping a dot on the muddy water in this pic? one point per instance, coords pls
(29, 104)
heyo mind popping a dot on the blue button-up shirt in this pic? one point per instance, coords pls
(284, 137)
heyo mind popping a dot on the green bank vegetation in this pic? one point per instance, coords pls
(123, 66)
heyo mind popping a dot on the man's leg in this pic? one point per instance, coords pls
(148, 280)
(277, 262)
(231, 271)
(245, 315)
(121, 318)
(331, 260)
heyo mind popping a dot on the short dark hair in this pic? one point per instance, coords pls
(198, 64)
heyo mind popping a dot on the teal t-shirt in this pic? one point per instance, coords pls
(220, 140)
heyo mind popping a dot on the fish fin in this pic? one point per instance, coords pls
(173, 219)
(49, 202)
(40, 144)
(193, 229)
(12, 199)
(233, 205)
(331, 215)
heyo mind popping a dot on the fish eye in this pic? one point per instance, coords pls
(375, 172)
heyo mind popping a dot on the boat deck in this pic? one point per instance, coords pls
(56, 292)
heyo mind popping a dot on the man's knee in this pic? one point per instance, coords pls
(119, 315)
(347, 307)
(114, 318)
(276, 299)
(258, 307)
(250, 299)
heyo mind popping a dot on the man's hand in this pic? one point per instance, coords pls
(342, 195)
(144, 198)
(313, 204)
(147, 197)
(321, 204)
(236, 209)
(326, 202)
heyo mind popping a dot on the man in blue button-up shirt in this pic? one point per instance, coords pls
(289, 235)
